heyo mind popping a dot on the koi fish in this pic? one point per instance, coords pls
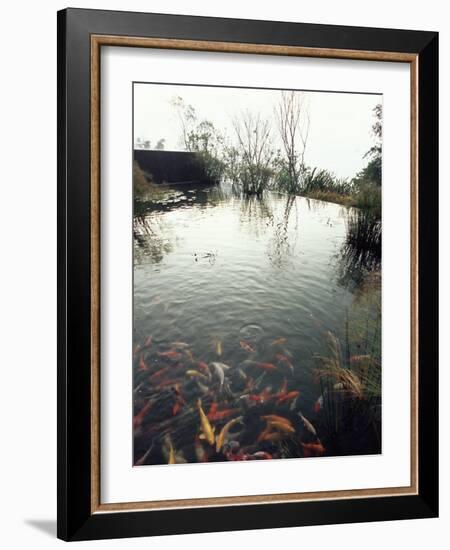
(171, 354)
(309, 427)
(207, 429)
(276, 418)
(262, 455)
(189, 354)
(205, 369)
(171, 454)
(219, 348)
(312, 449)
(266, 366)
(288, 396)
(180, 345)
(148, 342)
(176, 408)
(247, 347)
(224, 432)
(196, 374)
(268, 435)
(139, 418)
(278, 342)
(220, 415)
(281, 426)
(158, 373)
(142, 364)
(253, 397)
(219, 369)
(318, 405)
(212, 409)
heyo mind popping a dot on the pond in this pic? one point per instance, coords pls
(240, 306)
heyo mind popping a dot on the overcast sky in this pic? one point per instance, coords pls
(340, 128)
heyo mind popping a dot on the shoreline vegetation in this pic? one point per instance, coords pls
(251, 163)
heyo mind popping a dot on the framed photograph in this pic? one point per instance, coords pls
(247, 252)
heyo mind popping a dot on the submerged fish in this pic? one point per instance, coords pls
(309, 427)
(171, 454)
(312, 449)
(207, 429)
(288, 396)
(142, 364)
(268, 435)
(138, 419)
(205, 369)
(278, 342)
(281, 426)
(276, 418)
(180, 345)
(224, 432)
(220, 415)
(148, 342)
(262, 455)
(318, 405)
(196, 374)
(219, 348)
(246, 346)
(266, 366)
(219, 370)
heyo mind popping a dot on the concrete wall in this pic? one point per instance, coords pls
(174, 167)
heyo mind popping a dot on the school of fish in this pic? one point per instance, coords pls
(189, 410)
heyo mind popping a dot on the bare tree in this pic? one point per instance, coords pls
(293, 124)
(255, 151)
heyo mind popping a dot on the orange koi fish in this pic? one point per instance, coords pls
(268, 435)
(278, 342)
(247, 347)
(220, 415)
(148, 342)
(142, 364)
(288, 396)
(312, 449)
(158, 373)
(266, 366)
(276, 418)
(139, 418)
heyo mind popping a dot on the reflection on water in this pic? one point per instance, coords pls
(233, 301)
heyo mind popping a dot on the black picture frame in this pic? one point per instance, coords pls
(75, 518)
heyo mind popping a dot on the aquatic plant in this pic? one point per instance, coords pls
(360, 253)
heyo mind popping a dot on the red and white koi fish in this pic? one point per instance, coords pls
(247, 347)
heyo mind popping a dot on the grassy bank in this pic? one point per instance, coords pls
(366, 198)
